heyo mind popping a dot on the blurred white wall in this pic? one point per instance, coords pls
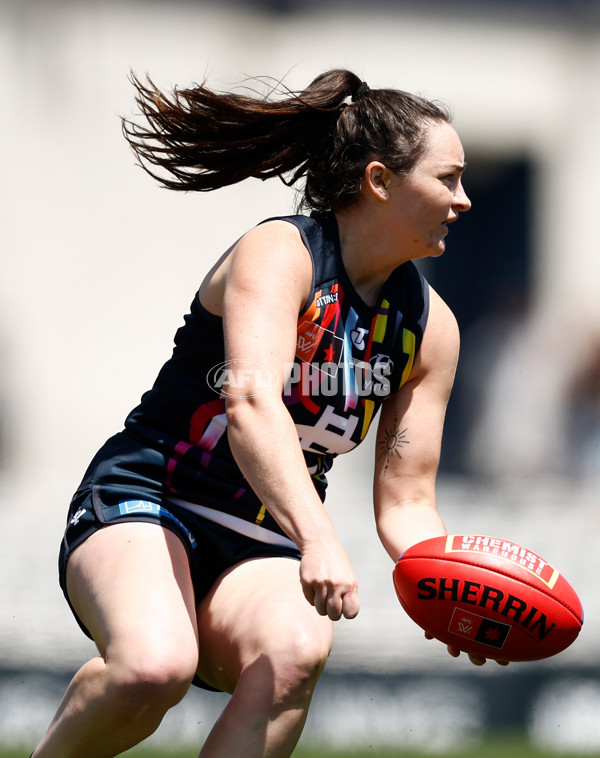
(98, 264)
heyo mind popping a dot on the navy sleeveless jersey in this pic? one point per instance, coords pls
(349, 358)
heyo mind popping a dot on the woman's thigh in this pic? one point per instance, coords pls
(255, 612)
(130, 585)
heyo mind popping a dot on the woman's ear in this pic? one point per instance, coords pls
(377, 180)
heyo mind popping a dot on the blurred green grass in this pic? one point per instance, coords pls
(501, 747)
(492, 747)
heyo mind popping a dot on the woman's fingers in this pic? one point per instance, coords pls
(333, 602)
(476, 660)
(329, 583)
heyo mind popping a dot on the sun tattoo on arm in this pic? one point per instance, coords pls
(391, 444)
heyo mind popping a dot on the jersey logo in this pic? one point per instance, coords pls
(331, 432)
(327, 299)
(318, 345)
(358, 337)
(305, 344)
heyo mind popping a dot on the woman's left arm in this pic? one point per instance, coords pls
(409, 438)
(409, 441)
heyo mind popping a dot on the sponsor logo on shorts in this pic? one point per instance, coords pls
(128, 507)
(138, 506)
(75, 520)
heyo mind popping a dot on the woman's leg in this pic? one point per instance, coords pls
(130, 584)
(262, 641)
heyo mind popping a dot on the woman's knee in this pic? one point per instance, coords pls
(307, 649)
(153, 678)
(276, 643)
(296, 662)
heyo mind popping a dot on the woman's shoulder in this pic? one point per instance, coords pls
(312, 229)
(272, 236)
(441, 340)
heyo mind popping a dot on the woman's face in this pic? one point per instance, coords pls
(428, 198)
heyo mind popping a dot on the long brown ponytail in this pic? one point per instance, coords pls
(197, 139)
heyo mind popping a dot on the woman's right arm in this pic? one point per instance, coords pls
(268, 278)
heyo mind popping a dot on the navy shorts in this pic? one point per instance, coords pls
(211, 548)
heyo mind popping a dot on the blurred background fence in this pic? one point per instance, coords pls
(98, 266)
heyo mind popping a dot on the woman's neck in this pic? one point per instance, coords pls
(369, 259)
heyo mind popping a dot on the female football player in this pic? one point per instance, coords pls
(198, 549)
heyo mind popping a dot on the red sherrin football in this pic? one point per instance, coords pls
(488, 596)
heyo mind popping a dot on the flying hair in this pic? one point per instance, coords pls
(197, 139)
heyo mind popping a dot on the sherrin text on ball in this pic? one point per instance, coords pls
(488, 597)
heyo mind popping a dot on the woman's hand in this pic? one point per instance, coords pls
(328, 580)
(476, 660)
